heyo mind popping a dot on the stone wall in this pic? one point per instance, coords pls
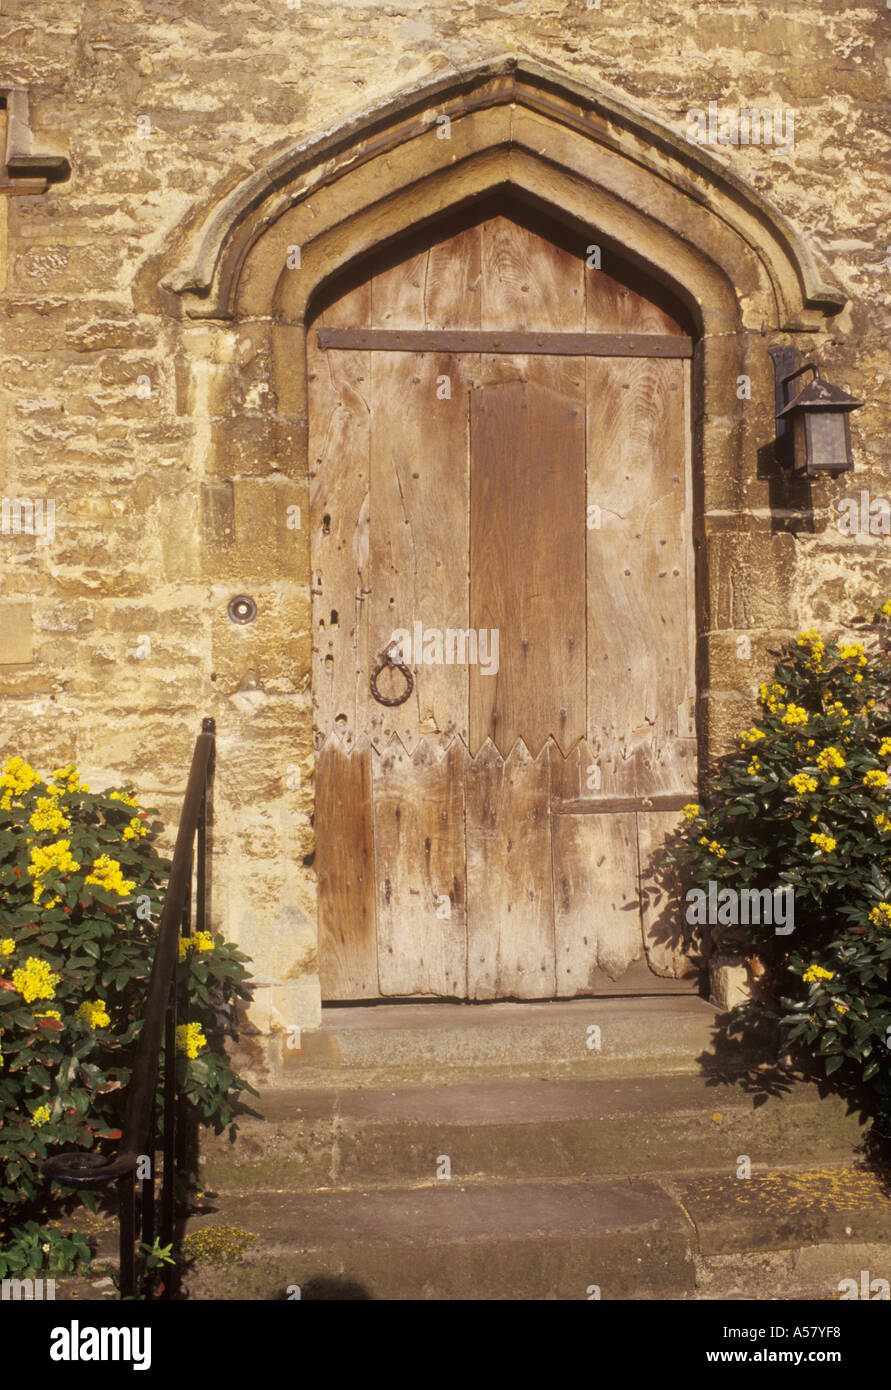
(168, 449)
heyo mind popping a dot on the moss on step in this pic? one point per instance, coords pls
(217, 1245)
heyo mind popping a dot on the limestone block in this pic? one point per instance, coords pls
(750, 578)
(730, 981)
(16, 634)
(273, 652)
(742, 660)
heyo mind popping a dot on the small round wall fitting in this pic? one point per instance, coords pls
(242, 609)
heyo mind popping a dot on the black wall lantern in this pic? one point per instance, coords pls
(813, 427)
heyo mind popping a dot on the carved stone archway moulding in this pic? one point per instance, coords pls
(594, 159)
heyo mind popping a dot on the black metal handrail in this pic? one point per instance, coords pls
(139, 1132)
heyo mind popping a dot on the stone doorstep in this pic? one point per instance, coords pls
(637, 1036)
(510, 1241)
(640, 1238)
(292, 1139)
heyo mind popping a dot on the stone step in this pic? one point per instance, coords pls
(429, 1042)
(509, 1241)
(812, 1272)
(684, 1237)
(521, 1129)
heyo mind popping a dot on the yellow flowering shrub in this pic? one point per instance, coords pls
(801, 816)
(82, 886)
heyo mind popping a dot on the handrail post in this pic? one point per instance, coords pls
(170, 1108)
(127, 1220)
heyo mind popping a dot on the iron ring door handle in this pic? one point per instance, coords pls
(385, 659)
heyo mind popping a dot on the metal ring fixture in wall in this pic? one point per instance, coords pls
(242, 609)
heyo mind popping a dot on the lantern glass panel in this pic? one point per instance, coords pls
(799, 444)
(828, 445)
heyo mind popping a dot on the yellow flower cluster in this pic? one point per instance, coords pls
(836, 710)
(876, 778)
(853, 651)
(815, 973)
(66, 780)
(886, 608)
(824, 842)
(51, 1013)
(802, 782)
(46, 857)
(794, 715)
(830, 757)
(41, 1116)
(125, 800)
(842, 1008)
(771, 696)
(47, 816)
(35, 980)
(93, 1014)
(885, 748)
(200, 941)
(107, 873)
(190, 1039)
(882, 822)
(713, 847)
(811, 638)
(135, 830)
(881, 915)
(749, 736)
(7, 946)
(754, 767)
(16, 779)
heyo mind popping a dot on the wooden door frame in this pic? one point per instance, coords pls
(617, 178)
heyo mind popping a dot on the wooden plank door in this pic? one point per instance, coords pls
(488, 836)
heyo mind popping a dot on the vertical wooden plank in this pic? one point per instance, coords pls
(528, 282)
(671, 952)
(339, 442)
(639, 675)
(418, 805)
(419, 536)
(576, 775)
(597, 927)
(397, 294)
(344, 869)
(527, 565)
(510, 907)
(452, 296)
(613, 307)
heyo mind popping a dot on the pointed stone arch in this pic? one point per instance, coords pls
(584, 150)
